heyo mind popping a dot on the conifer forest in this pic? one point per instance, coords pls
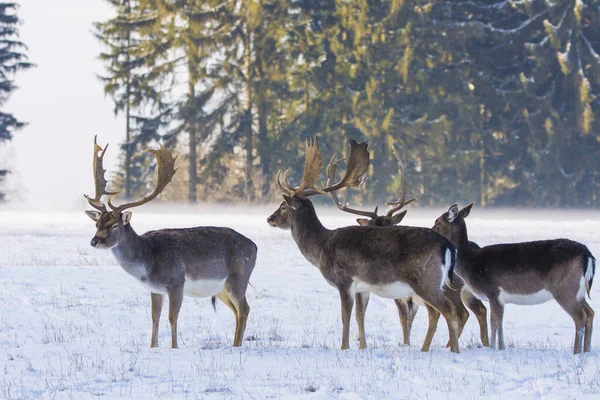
(492, 101)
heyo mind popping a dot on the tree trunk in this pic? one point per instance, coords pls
(482, 176)
(129, 147)
(248, 119)
(263, 145)
(193, 158)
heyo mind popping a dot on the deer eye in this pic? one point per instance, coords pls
(115, 226)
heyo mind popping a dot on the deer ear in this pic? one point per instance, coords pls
(126, 217)
(464, 213)
(396, 219)
(363, 221)
(94, 215)
(291, 201)
(453, 212)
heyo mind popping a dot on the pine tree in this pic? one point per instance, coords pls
(12, 60)
(134, 76)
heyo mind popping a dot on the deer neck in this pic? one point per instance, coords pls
(310, 236)
(465, 251)
(133, 253)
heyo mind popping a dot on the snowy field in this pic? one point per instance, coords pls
(74, 325)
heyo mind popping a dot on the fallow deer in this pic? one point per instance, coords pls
(391, 262)
(524, 273)
(198, 262)
(408, 306)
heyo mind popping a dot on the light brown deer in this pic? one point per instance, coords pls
(392, 262)
(525, 273)
(197, 262)
(408, 307)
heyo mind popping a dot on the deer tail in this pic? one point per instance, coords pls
(588, 272)
(449, 264)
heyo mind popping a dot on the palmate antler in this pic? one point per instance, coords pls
(331, 170)
(398, 205)
(401, 202)
(166, 169)
(357, 165)
(99, 180)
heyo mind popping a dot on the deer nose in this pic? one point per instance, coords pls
(271, 220)
(94, 241)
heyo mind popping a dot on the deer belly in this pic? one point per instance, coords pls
(525, 299)
(394, 290)
(203, 287)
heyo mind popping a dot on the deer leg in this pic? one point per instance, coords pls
(451, 320)
(347, 301)
(587, 342)
(497, 317)
(412, 313)
(243, 309)
(404, 313)
(475, 305)
(157, 303)
(235, 289)
(462, 314)
(577, 311)
(362, 300)
(434, 317)
(175, 300)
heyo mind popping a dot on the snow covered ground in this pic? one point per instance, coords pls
(73, 325)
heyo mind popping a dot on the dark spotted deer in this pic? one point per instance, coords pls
(391, 262)
(198, 262)
(525, 273)
(408, 306)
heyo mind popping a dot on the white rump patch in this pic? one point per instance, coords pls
(203, 287)
(582, 287)
(525, 299)
(394, 290)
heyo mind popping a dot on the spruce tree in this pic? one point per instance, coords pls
(12, 60)
(134, 79)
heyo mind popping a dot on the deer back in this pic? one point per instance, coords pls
(529, 267)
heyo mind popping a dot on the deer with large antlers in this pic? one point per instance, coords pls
(197, 262)
(391, 262)
(459, 294)
(525, 273)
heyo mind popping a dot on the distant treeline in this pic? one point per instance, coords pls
(489, 101)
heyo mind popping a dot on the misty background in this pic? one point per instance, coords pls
(494, 102)
(63, 103)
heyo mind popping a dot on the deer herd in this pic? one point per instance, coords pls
(438, 267)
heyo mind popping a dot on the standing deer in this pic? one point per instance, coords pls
(197, 262)
(407, 307)
(525, 273)
(392, 262)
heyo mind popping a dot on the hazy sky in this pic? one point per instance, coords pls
(63, 102)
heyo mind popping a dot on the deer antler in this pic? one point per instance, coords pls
(99, 180)
(166, 169)
(401, 202)
(356, 170)
(358, 162)
(312, 169)
(331, 170)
